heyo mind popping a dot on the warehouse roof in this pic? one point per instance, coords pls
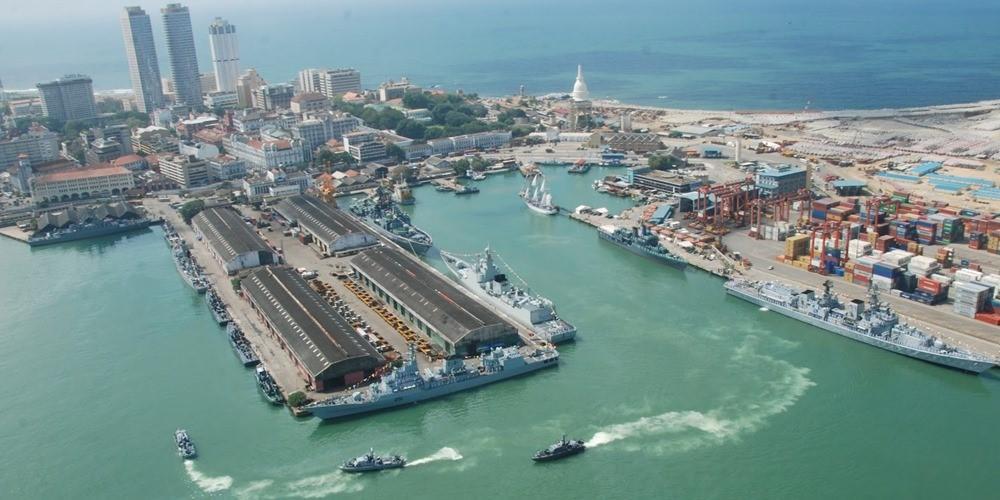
(228, 234)
(446, 308)
(317, 335)
(318, 217)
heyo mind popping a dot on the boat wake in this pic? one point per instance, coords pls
(323, 485)
(208, 484)
(694, 429)
(445, 453)
(763, 309)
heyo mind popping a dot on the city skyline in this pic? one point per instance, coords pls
(182, 55)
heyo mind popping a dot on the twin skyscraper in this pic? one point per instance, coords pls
(144, 67)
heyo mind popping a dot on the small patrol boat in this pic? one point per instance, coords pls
(185, 447)
(370, 462)
(561, 449)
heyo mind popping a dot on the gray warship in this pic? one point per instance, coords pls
(640, 241)
(482, 277)
(872, 322)
(408, 385)
(383, 216)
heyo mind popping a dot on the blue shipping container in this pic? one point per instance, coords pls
(819, 214)
(885, 270)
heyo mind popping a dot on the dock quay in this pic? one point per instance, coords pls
(380, 313)
(14, 233)
(708, 259)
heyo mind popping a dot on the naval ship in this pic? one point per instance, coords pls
(92, 229)
(640, 241)
(217, 307)
(407, 384)
(872, 322)
(488, 282)
(383, 216)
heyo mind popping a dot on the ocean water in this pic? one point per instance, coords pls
(715, 54)
(681, 391)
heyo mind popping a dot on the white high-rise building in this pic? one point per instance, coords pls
(180, 50)
(225, 54)
(143, 67)
(330, 82)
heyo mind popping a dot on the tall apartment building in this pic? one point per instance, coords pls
(186, 171)
(272, 97)
(225, 54)
(68, 98)
(143, 67)
(330, 82)
(181, 52)
(249, 81)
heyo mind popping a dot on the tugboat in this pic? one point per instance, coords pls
(580, 167)
(268, 387)
(185, 447)
(370, 462)
(561, 449)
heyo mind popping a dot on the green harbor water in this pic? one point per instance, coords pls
(681, 391)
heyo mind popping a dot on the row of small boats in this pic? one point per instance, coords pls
(370, 462)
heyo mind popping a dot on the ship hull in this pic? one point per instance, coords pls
(417, 247)
(92, 233)
(679, 264)
(333, 412)
(540, 209)
(967, 365)
(473, 286)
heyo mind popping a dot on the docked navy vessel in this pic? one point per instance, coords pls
(640, 241)
(241, 346)
(481, 275)
(185, 447)
(268, 387)
(407, 385)
(383, 216)
(217, 306)
(183, 260)
(872, 322)
(90, 229)
(370, 462)
(561, 449)
(467, 189)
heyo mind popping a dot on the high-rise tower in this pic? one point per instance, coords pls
(143, 67)
(180, 50)
(225, 54)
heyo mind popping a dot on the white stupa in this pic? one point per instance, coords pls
(580, 91)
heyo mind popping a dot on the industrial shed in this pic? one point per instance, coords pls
(234, 244)
(455, 321)
(327, 351)
(331, 230)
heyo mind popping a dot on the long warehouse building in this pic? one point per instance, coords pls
(234, 244)
(325, 348)
(452, 319)
(330, 229)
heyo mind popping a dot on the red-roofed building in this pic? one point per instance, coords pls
(94, 181)
(131, 162)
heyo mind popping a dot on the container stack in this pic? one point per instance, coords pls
(930, 291)
(898, 258)
(903, 229)
(858, 248)
(923, 266)
(968, 276)
(884, 243)
(885, 275)
(862, 270)
(945, 256)
(796, 246)
(971, 298)
(820, 208)
(993, 242)
(926, 231)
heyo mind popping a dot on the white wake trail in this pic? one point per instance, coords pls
(445, 453)
(719, 424)
(208, 484)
